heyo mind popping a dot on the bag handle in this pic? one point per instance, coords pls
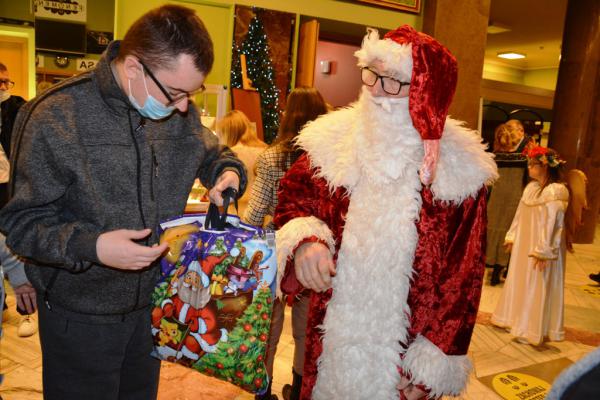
(216, 220)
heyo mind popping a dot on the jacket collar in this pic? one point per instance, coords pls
(107, 84)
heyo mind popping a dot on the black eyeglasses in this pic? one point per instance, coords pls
(8, 83)
(388, 84)
(172, 99)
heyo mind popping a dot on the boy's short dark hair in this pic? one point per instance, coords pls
(162, 34)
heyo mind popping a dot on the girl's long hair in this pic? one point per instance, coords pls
(304, 104)
(235, 128)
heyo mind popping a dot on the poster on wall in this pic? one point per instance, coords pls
(413, 6)
(98, 41)
(64, 10)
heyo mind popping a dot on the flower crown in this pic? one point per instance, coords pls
(544, 155)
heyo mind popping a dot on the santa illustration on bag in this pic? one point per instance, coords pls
(189, 308)
(390, 193)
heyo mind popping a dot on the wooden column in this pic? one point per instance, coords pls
(575, 129)
(461, 26)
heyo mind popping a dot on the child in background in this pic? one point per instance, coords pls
(14, 270)
(532, 300)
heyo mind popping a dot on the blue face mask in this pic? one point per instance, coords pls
(153, 108)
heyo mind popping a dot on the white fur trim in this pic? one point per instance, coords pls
(291, 234)
(189, 354)
(464, 166)
(396, 58)
(368, 317)
(209, 348)
(336, 144)
(429, 366)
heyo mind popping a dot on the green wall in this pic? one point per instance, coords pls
(545, 78)
(541, 78)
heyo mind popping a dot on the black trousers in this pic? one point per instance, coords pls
(86, 357)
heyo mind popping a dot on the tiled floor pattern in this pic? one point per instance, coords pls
(492, 349)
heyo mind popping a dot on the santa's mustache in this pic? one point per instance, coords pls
(193, 288)
(387, 103)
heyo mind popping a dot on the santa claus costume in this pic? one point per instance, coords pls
(409, 255)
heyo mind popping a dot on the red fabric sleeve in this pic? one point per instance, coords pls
(449, 266)
(301, 194)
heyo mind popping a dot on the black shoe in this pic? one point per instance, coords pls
(292, 392)
(496, 275)
(595, 277)
(286, 391)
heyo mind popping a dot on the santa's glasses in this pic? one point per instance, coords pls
(388, 84)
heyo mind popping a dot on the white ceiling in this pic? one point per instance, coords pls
(536, 28)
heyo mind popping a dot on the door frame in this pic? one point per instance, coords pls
(28, 34)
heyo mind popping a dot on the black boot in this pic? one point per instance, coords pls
(267, 395)
(496, 275)
(292, 392)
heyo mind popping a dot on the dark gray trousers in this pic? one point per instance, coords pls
(87, 357)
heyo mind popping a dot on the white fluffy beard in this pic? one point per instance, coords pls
(197, 297)
(368, 316)
(389, 145)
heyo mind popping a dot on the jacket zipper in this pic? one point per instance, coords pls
(154, 173)
(132, 131)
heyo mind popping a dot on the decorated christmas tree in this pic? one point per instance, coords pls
(236, 65)
(240, 360)
(260, 72)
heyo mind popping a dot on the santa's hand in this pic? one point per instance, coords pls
(117, 249)
(314, 266)
(408, 391)
(225, 180)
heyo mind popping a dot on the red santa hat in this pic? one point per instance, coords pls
(204, 271)
(432, 71)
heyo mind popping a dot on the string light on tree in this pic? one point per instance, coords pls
(260, 71)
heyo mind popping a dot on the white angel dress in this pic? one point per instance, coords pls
(532, 301)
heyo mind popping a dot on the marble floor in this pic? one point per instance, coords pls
(492, 349)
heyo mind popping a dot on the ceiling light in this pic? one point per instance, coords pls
(496, 27)
(511, 55)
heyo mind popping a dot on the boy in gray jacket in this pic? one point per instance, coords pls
(99, 161)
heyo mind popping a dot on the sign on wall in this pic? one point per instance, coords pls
(86, 64)
(64, 10)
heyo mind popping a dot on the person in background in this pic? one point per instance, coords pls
(14, 270)
(516, 127)
(9, 107)
(99, 161)
(504, 196)
(236, 132)
(532, 301)
(303, 105)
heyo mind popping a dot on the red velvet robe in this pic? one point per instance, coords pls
(448, 265)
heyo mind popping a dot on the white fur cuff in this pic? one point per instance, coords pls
(292, 233)
(431, 367)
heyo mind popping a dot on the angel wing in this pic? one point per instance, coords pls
(577, 183)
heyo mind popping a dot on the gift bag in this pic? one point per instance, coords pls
(214, 298)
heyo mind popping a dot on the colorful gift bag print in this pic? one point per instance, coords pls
(214, 298)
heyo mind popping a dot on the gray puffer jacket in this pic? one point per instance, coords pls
(85, 163)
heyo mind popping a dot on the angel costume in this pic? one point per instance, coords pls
(532, 301)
